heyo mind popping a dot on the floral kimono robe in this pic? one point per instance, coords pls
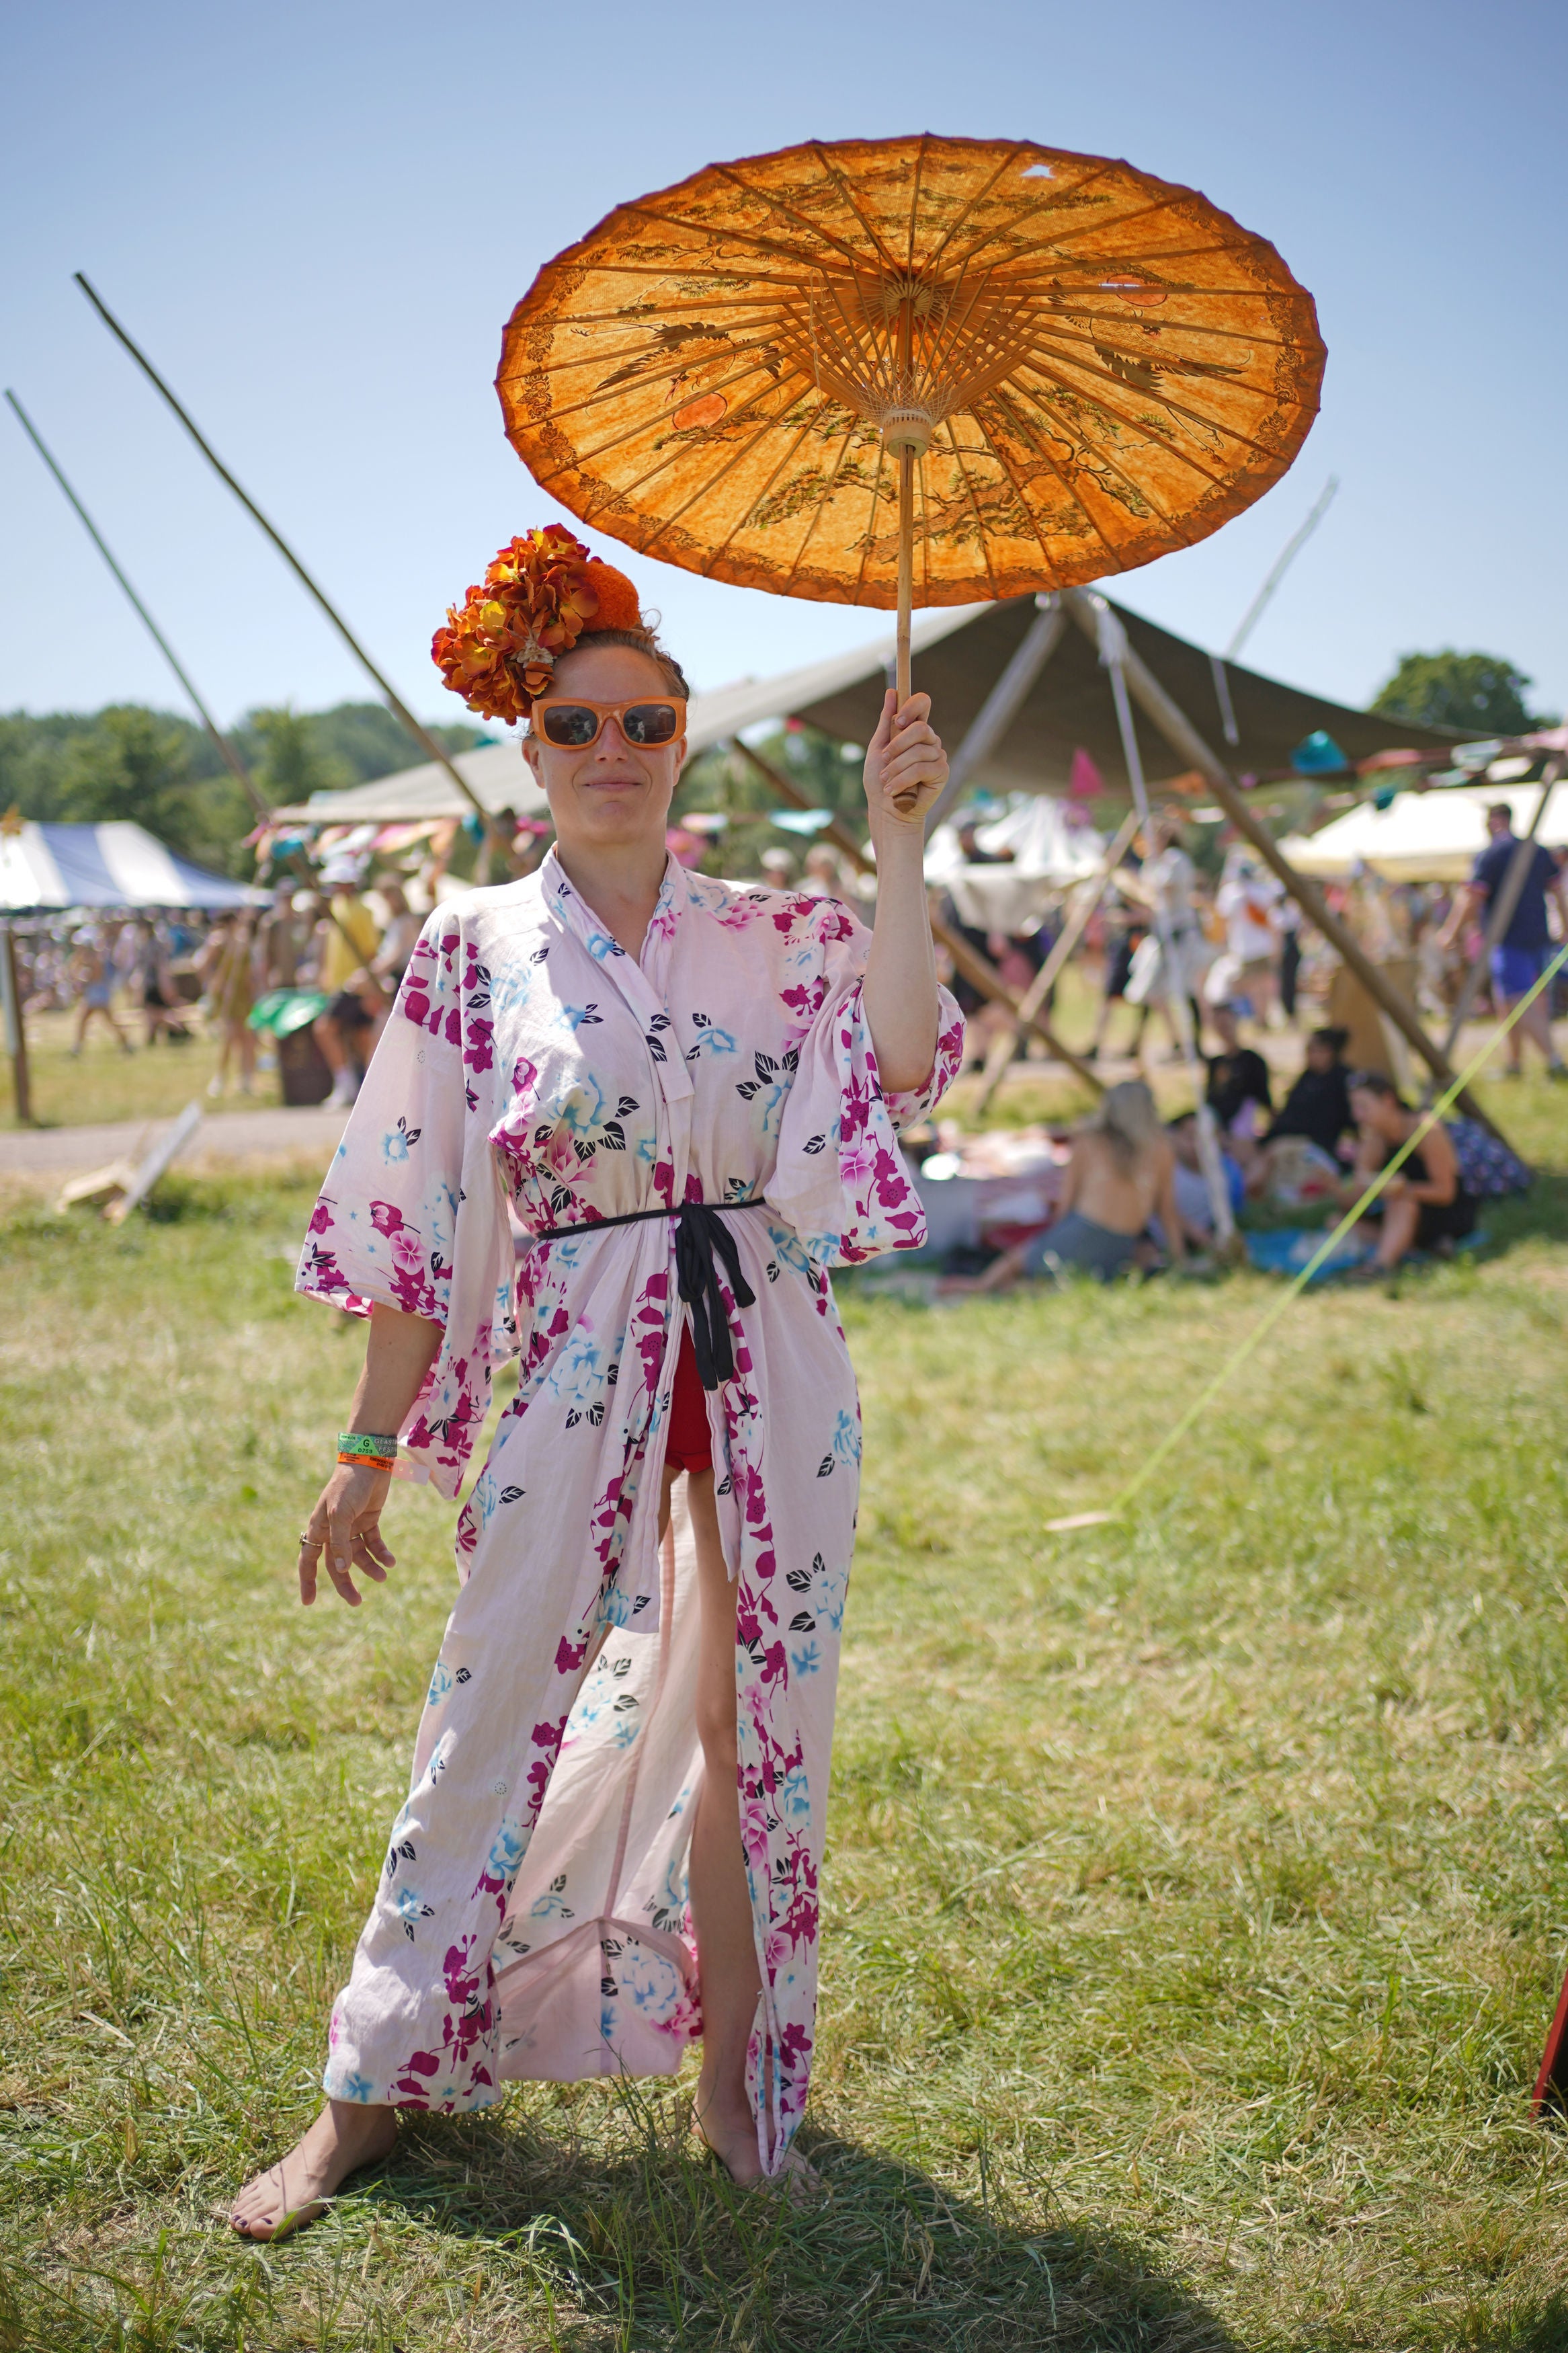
(532, 1916)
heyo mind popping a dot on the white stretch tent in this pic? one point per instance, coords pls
(1433, 836)
(120, 865)
(1048, 854)
(497, 772)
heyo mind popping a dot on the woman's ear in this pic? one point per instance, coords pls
(531, 753)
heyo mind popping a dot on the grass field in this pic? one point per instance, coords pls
(109, 1084)
(1196, 1894)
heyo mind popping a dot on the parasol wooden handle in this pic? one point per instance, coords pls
(907, 452)
(906, 566)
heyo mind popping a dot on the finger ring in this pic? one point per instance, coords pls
(305, 1538)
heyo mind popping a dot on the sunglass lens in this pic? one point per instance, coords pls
(572, 724)
(651, 722)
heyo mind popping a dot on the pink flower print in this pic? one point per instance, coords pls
(385, 1217)
(320, 1217)
(754, 1833)
(855, 1164)
(407, 1253)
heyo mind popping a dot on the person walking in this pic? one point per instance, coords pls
(1520, 956)
(92, 975)
(689, 1091)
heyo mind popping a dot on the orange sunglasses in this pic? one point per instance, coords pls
(576, 725)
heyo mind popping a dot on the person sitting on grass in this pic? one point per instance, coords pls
(1424, 1207)
(1319, 1105)
(1121, 1173)
(1194, 1205)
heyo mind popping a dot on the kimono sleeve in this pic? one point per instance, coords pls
(412, 1213)
(840, 1178)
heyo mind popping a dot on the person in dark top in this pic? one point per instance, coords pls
(1426, 1206)
(1520, 956)
(1238, 1084)
(1319, 1105)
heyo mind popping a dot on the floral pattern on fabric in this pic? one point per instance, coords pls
(531, 1917)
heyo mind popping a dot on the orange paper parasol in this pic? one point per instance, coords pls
(930, 370)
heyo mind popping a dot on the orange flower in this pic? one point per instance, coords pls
(540, 593)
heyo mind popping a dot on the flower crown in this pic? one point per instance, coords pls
(542, 593)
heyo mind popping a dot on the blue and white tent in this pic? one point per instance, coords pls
(119, 865)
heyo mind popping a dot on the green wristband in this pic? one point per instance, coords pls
(356, 1441)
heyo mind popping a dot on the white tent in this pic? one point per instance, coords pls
(120, 865)
(1433, 836)
(1048, 852)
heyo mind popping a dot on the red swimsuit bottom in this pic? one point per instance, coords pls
(690, 1444)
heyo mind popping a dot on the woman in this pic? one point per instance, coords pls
(224, 968)
(1166, 884)
(622, 1047)
(1426, 1206)
(1123, 1171)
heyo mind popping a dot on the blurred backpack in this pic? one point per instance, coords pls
(1488, 1171)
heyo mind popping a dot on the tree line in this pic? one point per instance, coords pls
(163, 771)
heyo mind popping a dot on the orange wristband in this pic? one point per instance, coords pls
(366, 1461)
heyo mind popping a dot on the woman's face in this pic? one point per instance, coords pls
(615, 794)
(1380, 1113)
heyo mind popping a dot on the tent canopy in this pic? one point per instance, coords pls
(120, 865)
(1069, 705)
(959, 652)
(1432, 837)
(497, 772)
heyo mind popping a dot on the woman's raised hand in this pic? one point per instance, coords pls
(346, 1526)
(906, 767)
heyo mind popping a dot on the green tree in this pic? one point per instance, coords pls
(131, 764)
(1478, 691)
(289, 764)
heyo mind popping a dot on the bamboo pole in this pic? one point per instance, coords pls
(15, 1027)
(394, 701)
(1184, 738)
(1086, 899)
(977, 969)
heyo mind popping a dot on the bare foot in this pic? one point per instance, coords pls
(732, 2137)
(343, 2137)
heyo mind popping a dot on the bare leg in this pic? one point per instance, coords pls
(1536, 1023)
(343, 2137)
(1400, 1220)
(720, 1901)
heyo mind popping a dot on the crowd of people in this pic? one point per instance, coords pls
(1229, 943)
(177, 974)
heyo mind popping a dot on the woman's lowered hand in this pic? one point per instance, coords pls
(906, 767)
(345, 1527)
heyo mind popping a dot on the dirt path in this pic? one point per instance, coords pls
(51, 1152)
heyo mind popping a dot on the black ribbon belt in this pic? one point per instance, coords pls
(701, 1240)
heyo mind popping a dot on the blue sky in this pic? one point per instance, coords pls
(316, 219)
